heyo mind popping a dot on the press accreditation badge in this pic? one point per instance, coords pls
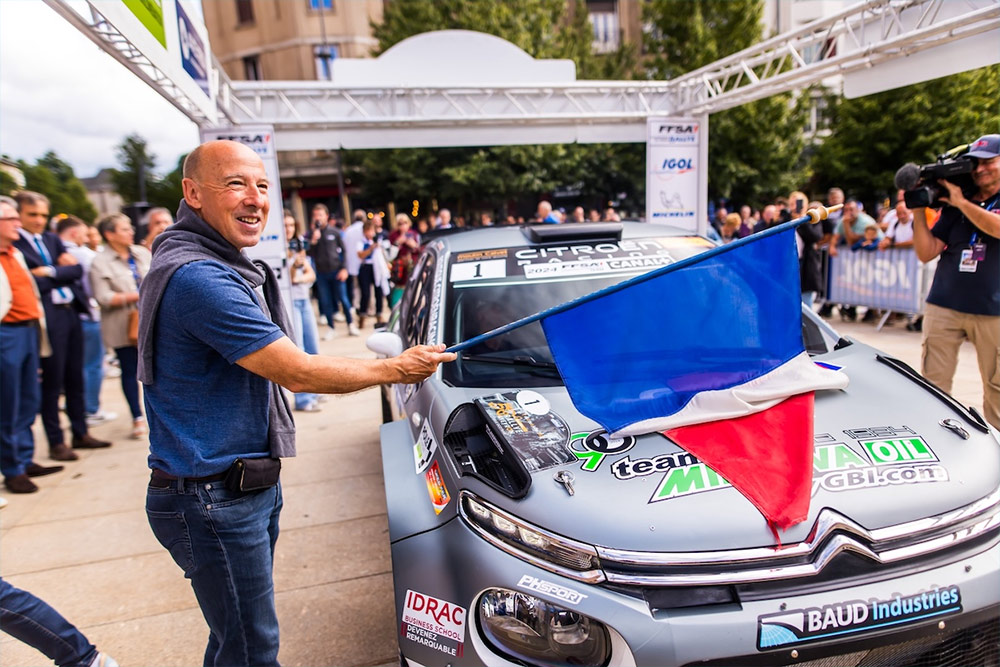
(979, 252)
(968, 263)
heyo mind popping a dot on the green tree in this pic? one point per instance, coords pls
(135, 178)
(134, 158)
(872, 136)
(457, 176)
(55, 179)
(8, 185)
(754, 149)
(167, 191)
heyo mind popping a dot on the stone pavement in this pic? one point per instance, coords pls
(82, 542)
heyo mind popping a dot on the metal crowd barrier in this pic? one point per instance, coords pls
(893, 280)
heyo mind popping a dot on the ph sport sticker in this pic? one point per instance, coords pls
(846, 619)
(434, 623)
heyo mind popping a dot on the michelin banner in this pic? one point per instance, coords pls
(675, 149)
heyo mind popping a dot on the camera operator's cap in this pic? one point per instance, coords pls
(986, 147)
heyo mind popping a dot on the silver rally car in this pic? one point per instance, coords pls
(521, 534)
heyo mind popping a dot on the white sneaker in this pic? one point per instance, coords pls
(353, 330)
(339, 317)
(104, 660)
(329, 335)
(100, 417)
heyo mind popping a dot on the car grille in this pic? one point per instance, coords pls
(832, 537)
(978, 646)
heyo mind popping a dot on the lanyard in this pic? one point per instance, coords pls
(135, 270)
(989, 207)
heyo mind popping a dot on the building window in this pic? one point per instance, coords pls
(251, 68)
(605, 25)
(317, 4)
(324, 55)
(244, 12)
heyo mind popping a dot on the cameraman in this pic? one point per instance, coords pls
(964, 300)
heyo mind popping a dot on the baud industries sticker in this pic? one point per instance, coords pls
(424, 448)
(845, 619)
(433, 622)
(436, 488)
(526, 423)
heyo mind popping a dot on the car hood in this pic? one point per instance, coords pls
(882, 458)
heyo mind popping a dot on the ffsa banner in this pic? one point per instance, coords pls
(673, 166)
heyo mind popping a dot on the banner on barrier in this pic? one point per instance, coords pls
(888, 280)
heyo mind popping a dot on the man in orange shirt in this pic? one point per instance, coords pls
(22, 339)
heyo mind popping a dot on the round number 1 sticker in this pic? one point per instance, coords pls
(533, 402)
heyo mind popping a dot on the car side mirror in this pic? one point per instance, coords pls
(385, 343)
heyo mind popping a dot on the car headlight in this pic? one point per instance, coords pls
(532, 630)
(546, 550)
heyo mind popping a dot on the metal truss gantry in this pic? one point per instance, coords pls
(323, 115)
(105, 35)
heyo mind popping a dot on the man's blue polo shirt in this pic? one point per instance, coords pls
(204, 410)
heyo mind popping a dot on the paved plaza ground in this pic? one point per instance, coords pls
(82, 542)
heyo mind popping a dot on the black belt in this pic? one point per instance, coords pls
(161, 480)
(22, 323)
(67, 306)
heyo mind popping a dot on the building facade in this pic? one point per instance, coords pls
(293, 40)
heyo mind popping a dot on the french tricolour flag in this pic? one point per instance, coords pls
(709, 352)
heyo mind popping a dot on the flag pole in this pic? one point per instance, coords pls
(811, 216)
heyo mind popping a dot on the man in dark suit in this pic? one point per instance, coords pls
(58, 276)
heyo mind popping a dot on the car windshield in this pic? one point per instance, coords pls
(490, 288)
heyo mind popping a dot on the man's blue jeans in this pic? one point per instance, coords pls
(25, 617)
(307, 339)
(224, 542)
(331, 292)
(20, 397)
(93, 366)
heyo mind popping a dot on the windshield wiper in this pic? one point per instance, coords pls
(519, 360)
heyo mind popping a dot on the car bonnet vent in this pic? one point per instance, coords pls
(481, 454)
(579, 231)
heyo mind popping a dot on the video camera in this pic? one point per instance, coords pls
(920, 184)
(296, 245)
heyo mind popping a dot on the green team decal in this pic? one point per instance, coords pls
(836, 467)
(837, 456)
(687, 481)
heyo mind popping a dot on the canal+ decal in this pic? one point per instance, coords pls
(844, 619)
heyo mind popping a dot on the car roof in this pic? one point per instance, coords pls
(507, 236)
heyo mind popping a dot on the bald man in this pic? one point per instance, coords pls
(214, 349)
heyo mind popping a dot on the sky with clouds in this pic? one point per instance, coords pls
(60, 92)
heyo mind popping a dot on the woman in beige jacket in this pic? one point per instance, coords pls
(115, 276)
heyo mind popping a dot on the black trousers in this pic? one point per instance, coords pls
(62, 372)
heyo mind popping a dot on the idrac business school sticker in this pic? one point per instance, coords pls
(845, 619)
